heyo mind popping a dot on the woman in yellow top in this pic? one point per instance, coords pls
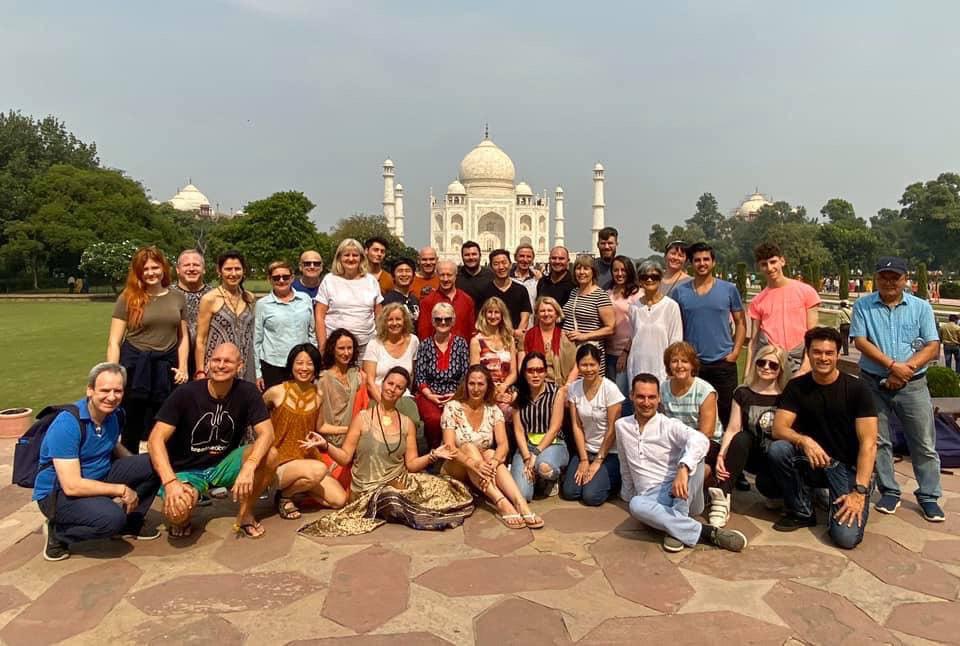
(295, 407)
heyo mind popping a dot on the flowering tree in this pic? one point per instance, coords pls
(108, 260)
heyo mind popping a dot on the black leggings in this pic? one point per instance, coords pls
(744, 454)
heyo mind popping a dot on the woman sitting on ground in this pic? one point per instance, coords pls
(537, 424)
(387, 484)
(749, 434)
(593, 474)
(474, 431)
(495, 348)
(341, 392)
(547, 338)
(442, 361)
(294, 407)
(394, 345)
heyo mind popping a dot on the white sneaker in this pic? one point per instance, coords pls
(554, 489)
(719, 510)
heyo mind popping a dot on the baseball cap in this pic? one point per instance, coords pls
(891, 263)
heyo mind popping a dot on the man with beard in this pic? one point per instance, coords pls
(558, 283)
(472, 277)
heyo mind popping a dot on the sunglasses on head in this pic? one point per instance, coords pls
(281, 278)
(446, 320)
(767, 363)
(312, 263)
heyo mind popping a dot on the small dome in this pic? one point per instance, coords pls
(559, 190)
(388, 162)
(189, 199)
(456, 188)
(487, 164)
(524, 189)
(752, 204)
(599, 166)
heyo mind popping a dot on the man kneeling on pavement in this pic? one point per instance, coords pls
(661, 466)
(826, 436)
(88, 485)
(195, 444)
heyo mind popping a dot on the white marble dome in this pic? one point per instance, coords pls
(752, 204)
(456, 188)
(487, 164)
(524, 189)
(189, 199)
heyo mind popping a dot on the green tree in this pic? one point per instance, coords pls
(923, 281)
(274, 228)
(658, 238)
(934, 207)
(109, 261)
(708, 218)
(742, 280)
(360, 226)
(844, 287)
(893, 232)
(28, 147)
(838, 210)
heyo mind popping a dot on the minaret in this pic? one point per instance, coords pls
(398, 215)
(389, 196)
(558, 240)
(598, 202)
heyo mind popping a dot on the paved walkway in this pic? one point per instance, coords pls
(592, 576)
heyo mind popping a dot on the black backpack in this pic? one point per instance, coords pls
(26, 454)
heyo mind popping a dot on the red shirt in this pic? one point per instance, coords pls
(464, 326)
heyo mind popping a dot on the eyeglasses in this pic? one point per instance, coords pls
(312, 263)
(767, 363)
(650, 278)
(443, 320)
(281, 278)
(536, 371)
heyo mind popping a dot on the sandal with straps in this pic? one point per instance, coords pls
(510, 521)
(249, 530)
(286, 508)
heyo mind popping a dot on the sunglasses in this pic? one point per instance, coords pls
(536, 371)
(312, 263)
(281, 278)
(650, 278)
(767, 363)
(445, 320)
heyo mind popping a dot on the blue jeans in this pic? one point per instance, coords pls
(912, 406)
(622, 379)
(554, 456)
(797, 478)
(660, 510)
(85, 518)
(596, 492)
(951, 354)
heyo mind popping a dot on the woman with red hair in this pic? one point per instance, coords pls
(148, 336)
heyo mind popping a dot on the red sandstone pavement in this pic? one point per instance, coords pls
(592, 576)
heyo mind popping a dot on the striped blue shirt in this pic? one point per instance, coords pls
(279, 326)
(898, 331)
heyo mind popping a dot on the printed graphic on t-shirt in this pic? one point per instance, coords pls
(212, 432)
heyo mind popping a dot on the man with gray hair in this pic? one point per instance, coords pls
(88, 485)
(190, 283)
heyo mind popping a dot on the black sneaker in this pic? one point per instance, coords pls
(53, 549)
(742, 483)
(142, 534)
(789, 523)
(729, 539)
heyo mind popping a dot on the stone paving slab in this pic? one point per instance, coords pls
(593, 575)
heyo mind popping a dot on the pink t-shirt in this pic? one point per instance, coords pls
(782, 312)
(622, 331)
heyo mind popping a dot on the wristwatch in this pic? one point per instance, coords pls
(860, 489)
(535, 450)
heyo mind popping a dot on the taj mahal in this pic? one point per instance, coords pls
(485, 204)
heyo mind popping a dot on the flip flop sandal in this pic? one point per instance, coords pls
(248, 530)
(180, 531)
(506, 518)
(532, 521)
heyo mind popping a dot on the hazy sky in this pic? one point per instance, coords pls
(807, 102)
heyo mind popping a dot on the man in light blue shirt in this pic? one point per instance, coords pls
(283, 319)
(897, 336)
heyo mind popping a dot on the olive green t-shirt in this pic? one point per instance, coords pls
(160, 324)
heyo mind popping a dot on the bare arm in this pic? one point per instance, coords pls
(608, 318)
(205, 313)
(500, 439)
(867, 431)
(783, 430)
(157, 447)
(524, 323)
(475, 350)
(739, 335)
(414, 462)
(733, 427)
(556, 422)
(343, 455)
(74, 484)
(183, 348)
(370, 372)
(577, 428)
(707, 417)
(118, 328)
(320, 322)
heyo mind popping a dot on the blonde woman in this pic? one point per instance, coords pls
(394, 345)
(348, 297)
(494, 348)
(748, 436)
(547, 337)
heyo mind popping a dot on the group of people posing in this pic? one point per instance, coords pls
(407, 395)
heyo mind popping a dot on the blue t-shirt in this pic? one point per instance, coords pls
(706, 319)
(62, 442)
(309, 291)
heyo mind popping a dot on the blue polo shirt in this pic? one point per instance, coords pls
(279, 325)
(62, 442)
(897, 331)
(706, 319)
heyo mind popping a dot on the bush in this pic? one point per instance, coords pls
(844, 292)
(949, 290)
(943, 382)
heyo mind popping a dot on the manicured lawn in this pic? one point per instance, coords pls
(47, 349)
